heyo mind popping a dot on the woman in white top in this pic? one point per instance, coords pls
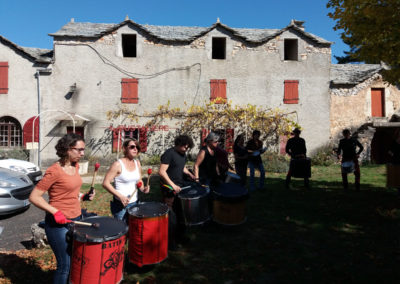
(126, 172)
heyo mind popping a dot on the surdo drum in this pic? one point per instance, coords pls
(148, 233)
(229, 204)
(194, 203)
(348, 167)
(98, 252)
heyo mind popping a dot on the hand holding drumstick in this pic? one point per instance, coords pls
(91, 193)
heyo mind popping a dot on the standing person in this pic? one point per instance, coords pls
(255, 148)
(172, 171)
(126, 172)
(62, 182)
(241, 157)
(205, 167)
(348, 146)
(296, 149)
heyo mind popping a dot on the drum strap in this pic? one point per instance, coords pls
(166, 187)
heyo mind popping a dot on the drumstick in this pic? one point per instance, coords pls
(149, 172)
(185, 187)
(94, 225)
(96, 168)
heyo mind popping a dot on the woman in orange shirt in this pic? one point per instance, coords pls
(62, 182)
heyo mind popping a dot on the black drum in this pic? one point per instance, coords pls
(194, 202)
(98, 252)
(229, 204)
(301, 168)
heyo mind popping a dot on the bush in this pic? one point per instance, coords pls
(324, 156)
(275, 162)
(150, 159)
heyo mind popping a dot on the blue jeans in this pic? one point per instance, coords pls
(119, 211)
(61, 246)
(252, 168)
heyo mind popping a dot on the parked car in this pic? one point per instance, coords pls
(25, 167)
(15, 188)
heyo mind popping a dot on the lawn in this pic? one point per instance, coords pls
(321, 235)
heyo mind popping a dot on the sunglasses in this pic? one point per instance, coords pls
(131, 147)
(79, 149)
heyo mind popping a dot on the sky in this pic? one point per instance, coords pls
(27, 23)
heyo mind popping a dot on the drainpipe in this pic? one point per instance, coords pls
(33, 138)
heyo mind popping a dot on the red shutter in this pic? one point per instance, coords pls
(117, 143)
(218, 90)
(143, 139)
(378, 102)
(291, 92)
(129, 91)
(204, 133)
(229, 140)
(4, 78)
(28, 130)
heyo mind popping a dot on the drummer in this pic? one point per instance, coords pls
(255, 148)
(172, 171)
(206, 166)
(62, 182)
(348, 146)
(127, 174)
(296, 149)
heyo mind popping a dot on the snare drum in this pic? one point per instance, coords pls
(229, 204)
(194, 204)
(148, 233)
(232, 177)
(98, 253)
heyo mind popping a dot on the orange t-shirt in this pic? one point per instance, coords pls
(63, 190)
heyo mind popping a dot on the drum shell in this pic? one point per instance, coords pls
(195, 210)
(148, 236)
(301, 168)
(95, 260)
(393, 175)
(230, 209)
(348, 167)
(232, 178)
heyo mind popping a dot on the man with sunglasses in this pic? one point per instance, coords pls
(172, 171)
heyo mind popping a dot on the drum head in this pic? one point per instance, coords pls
(108, 229)
(231, 191)
(148, 209)
(193, 191)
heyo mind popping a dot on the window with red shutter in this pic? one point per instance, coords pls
(204, 133)
(129, 91)
(291, 95)
(218, 91)
(3, 77)
(117, 137)
(143, 139)
(229, 133)
(28, 130)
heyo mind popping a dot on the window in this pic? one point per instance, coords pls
(3, 77)
(290, 49)
(218, 48)
(291, 95)
(129, 91)
(10, 132)
(225, 140)
(122, 133)
(28, 130)
(218, 91)
(377, 102)
(78, 130)
(129, 45)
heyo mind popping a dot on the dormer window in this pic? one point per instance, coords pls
(129, 45)
(218, 48)
(291, 49)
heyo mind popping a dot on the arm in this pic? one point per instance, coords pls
(360, 147)
(143, 188)
(114, 171)
(187, 172)
(199, 160)
(163, 174)
(36, 198)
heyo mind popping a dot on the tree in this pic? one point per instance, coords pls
(371, 29)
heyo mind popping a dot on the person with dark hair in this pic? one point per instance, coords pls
(172, 171)
(255, 148)
(205, 167)
(241, 158)
(63, 183)
(348, 146)
(126, 173)
(296, 149)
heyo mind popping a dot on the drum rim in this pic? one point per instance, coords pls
(152, 216)
(196, 197)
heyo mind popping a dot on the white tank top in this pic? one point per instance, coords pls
(126, 182)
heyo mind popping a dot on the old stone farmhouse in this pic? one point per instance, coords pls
(95, 68)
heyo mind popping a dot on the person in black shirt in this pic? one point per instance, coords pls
(172, 171)
(296, 149)
(205, 167)
(348, 146)
(241, 157)
(255, 148)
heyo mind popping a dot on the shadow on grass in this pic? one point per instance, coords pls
(22, 271)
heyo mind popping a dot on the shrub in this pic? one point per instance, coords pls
(324, 156)
(275, 162)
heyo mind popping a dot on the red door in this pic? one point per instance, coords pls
(378, 102)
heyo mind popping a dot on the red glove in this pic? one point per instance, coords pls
(60, 218)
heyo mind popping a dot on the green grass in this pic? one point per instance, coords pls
(321, 235)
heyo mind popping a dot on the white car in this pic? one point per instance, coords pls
(25, 167)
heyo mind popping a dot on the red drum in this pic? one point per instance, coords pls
(148, 233)
(98, 253)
